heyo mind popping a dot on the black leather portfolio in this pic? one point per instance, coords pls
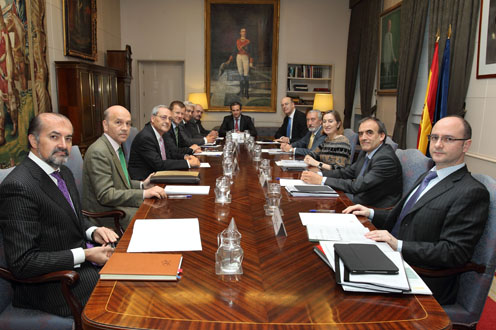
(365, 259)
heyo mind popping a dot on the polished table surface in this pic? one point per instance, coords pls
(284, 285)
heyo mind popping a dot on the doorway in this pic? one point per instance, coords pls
(160, 82)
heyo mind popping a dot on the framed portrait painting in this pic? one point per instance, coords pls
(241, 54)
(389, 45)
(80, 28)
(486, 50)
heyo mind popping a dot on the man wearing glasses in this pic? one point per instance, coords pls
(375, 179)
(439, 222)
(150, 152)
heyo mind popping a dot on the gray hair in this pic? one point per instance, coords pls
(155, 109)
(189, 104)
(318, 112)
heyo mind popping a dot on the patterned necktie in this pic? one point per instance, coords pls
(365, 164)
(63, 187)
(123, 164)
(162, 148)
(288, 129)
(236, 126)
(176, 133)
(310, 143)
(409, 204)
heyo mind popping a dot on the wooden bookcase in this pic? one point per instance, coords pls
(306, 80)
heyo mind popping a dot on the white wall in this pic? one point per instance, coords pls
(481, 114)
(108, 36)
(311, 31)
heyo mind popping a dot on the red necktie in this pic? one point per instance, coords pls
(236, 127)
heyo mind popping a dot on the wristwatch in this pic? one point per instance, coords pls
(320, 165)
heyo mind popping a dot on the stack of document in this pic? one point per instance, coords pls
(334, 227)
(292, 165)
(209, 153)
(406, 280)
(275, 151)
(311, 190)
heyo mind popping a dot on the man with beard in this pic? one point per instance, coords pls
(41, 221)
(106, 181)
(311, 140)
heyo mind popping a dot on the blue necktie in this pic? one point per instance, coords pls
(364, 167)
(409, 204)
(288, 129)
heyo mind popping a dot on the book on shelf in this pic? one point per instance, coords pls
(142, 267)
(321, 89)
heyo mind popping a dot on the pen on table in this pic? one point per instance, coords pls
(178, 196)
(322, 211)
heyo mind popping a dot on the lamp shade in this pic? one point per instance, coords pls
(199, 98)
(323, 102)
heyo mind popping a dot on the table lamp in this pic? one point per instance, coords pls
(323, 102)
(199, 98)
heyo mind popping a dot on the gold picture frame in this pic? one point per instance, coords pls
(389, 46)
(80, 29)
(241, 66)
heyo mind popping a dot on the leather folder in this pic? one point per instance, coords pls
(176, 177)
(365, 259)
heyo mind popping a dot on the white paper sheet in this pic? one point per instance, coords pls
(291, 182)
(188, 190)
(162, 235)
(205, 165)
(267, 142)
(208, 153)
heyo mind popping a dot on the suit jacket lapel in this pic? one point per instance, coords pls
(117, 161)
(52, 190)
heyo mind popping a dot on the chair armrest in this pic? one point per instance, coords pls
(67, 278)
(116, 214)
(468, 267)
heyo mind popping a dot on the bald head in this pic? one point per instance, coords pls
(287, 106)
(117, 123)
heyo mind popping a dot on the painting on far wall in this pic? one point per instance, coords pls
(80, 28)
(24, 90)
(241, 54)
(486, 50)
(389, 45)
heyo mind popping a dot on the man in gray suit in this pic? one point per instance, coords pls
(439, 222)
(311, 140)
(41, 221)
(106, 181)
(375, 179)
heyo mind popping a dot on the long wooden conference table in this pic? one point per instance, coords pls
(285, 285)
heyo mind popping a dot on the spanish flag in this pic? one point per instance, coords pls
(429, 103)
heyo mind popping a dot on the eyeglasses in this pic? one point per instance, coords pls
(445, 139)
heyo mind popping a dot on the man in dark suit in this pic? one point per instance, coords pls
(176, 134)
(303, 146)
(41, 221)
(150, 154)
(375, 179)
(237, 121)
(196, 121)
(190, 132)
(439, 222)
(294, 126)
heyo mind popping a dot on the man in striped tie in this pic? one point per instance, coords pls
(106, 181)
(437, 224)
(41, 221)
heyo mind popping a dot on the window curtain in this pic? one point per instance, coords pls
(413, 21)
(463, 16)
(361, 55)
